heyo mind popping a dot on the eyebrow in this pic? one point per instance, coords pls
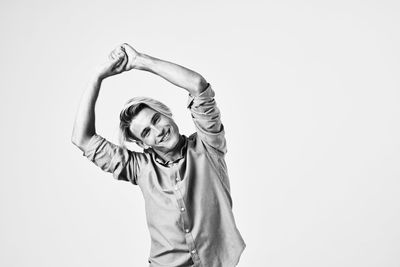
(154, 118)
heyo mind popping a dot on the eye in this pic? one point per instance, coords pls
(145, 132)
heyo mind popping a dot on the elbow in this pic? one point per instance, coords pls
(79, 141)
(199, 86)
(75, 137)
(76, 142)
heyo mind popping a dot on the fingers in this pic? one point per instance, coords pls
(122, 60)
(114, 61)
(118, 60)
(116, 52)
(124, 46)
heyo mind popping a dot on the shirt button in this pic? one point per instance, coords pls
(182, 209)
(187, 230)
(193, 251)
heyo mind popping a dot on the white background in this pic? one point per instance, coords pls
(310, 99)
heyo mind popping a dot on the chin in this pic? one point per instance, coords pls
(173, 141)
(169, 144)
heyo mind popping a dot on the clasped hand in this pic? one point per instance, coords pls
(122, 58)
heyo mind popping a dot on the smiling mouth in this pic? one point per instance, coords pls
(165, 136)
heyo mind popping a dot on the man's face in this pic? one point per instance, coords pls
(155, 130)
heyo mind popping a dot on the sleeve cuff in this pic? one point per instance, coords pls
(92, 146)
(207, 93)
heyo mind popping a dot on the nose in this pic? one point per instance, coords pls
(158, 131)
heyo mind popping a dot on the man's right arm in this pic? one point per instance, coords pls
(84, 126)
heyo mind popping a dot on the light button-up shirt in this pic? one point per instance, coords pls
(188, 202)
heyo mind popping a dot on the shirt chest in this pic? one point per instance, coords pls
(193, 174)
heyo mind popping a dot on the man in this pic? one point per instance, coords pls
(184, 180)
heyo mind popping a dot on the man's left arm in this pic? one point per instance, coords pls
(178, 75)
(205, 113)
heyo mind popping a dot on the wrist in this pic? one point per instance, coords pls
(142, 62)
(97, 77)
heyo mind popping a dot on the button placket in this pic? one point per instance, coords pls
(179, 198)
(186, 228)
(184, 215)
(174, 178)
(192, 249)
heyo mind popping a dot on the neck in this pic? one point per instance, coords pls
(173, 154)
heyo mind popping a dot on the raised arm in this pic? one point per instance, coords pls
(178, 75)
(205, 114)
(84, 125)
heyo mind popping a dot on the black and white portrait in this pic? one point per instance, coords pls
(208, 133)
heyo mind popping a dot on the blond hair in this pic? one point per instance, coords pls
(131, 110)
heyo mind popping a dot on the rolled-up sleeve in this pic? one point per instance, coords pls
(207, 119)
(112, 158)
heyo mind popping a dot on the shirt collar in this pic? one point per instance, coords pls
(182, 153)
